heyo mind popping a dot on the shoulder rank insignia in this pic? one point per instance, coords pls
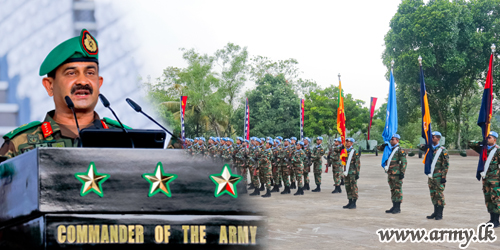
(46, 129)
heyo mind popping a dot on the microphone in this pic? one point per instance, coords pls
(106, 104)
(71, 106)
(138, 109)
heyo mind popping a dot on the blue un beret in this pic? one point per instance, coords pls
(319, 138)
(307, 138)
(288, 140)
(293, 138)
(350, 139)
(396, 136)
(301, 143)
(436, 133)
(257, 139)
(494, 134)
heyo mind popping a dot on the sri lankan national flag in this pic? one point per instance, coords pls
(341, 123)
(485, 117)
(426, 124)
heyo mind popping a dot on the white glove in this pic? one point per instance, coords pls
(483, 174)
(345, 173)
(430, 176)
(386, 168)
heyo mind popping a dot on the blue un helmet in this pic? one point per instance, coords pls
(293, 138)
(288, 140)
(270, 141)
(231, 140)
(319, 138)
(262, 139)
(202, 138)
(350, 139)
(257, 140)
(308, 139)
(247, 141)
(301, 143)
(279, 137)
(396, 136)
(239, 138)
(436, 133)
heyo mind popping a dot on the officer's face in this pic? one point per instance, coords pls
(286, 143)
(349, 143)
(269, 145)
(319, 141)
(299, 146)
(435, 140)
(337, 143)
(491, 140)
(293, 141)
(394, 141)
(306, 142)
(78, 80)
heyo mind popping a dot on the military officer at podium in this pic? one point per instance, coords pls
(70, 69)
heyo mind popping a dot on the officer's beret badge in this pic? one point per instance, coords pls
(89, 44)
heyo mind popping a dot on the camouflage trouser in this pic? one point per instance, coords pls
(491, 190)
(396, 186)
(285, 173)
(276, 174)
(351, 186)
(298, 169)
(436, 189)
(267, 174)
(317, 172)
(243, 171)
(255, 176)
(338, 173)
(307, 169)
(292, 173)
(261, 175)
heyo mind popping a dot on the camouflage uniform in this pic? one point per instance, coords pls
(265, 158)
(337, 167)
(317, 153)
(491, 181)
(275, 166)
(201, 149)
(397, 169)
(307, 164)
(291, 171)
(241, 162)
(351, 183)
(297, 160)
(255, 167)
(47, 134)
(284, 157)
(436, 188)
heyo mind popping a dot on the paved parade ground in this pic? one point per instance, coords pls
(318, 221)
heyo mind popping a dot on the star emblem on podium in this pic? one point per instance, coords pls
(91, 180)
(159, 181)
(225, 182)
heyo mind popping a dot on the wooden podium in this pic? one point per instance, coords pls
(48, 200)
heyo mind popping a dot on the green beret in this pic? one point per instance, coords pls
(77, 49)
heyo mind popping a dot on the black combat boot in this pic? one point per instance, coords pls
(348, 204)
(433, 215)
(280, 186)
(491, 218)
(299, 191)
(272, 182)
(337, 190)
(353, 204)
(318, 189)
(496, 222)
(275, 189)
(255, 192)
(293, 185)
(262, 188)
(306, 186)
(286, 191)
(397, 208)
(439, 212)
(251, 186)
(392, 208)
(342, 182)
(268, 194)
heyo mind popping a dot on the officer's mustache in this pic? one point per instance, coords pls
(82, 87)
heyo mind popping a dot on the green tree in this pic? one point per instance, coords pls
(454, 40)
(274, 109)
(232, 60)
(320, 116)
